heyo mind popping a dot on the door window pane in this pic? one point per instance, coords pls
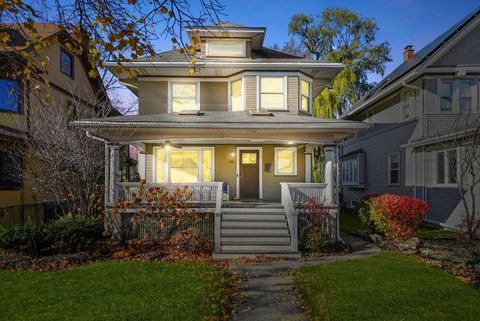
(285, 161)
(272, 93)
(465, 95)
(249, 158)
(446, 93)
(237, 95)
(184, 97)
(226, 48)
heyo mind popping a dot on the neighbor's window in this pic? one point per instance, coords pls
(285, 161)
(394, 169)
(66, 63)
(272, 93)
(184, 97)
(446, 166)
(226, 48)
(9, 96)
(446, 95)
(188, 165)
(305, 96)
(405, 97)
(236, 98)
(465, 95)
(349, 171)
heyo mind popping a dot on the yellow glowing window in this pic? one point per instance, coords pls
(183, 166)
(207, 165)
(160, 166)
(305, 96)
(237, 95)
(249, 158)
(226, 48)
(286, 161)
(184, 97)
(272, 93)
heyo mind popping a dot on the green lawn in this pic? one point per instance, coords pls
(115, 290)
(386, 287)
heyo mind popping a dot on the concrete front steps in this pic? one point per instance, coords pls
(253, 231)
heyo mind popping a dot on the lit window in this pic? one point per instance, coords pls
(285, 161)
(237, 104)
(9, 96)
(184, 97)
(305, 96)
(187, 165)
(446, 167)
(66, 63)
(249, 158)
(226, 48)
(272, 93)
(446, 94)
(394, 169)
(465, 95)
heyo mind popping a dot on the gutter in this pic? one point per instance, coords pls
(226, 64)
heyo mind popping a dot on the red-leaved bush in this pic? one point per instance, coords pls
(397, 216)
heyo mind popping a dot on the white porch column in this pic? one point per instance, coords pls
(113, 171)
(330, 174)
(308, 163)
(141, 164)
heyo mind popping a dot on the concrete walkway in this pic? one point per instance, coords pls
(266, 289)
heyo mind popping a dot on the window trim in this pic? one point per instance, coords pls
(182, 81)
(343, 163)
(244, 47)
(300, 95)
(446, 167)
(285, 92)
(295, 160)
(389, 182)
(72, 66)
(20, 97)
(439, 96)
(230, 83)
(472, 95)
(200, 149)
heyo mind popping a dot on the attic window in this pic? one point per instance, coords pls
(226, 48)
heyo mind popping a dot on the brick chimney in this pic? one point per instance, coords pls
(408, 53)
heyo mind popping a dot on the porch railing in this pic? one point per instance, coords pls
(294, 198)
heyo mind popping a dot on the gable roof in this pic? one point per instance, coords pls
(419, 57)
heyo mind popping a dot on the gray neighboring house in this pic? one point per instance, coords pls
(401, 153)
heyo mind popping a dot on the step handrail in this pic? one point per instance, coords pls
(291, 214)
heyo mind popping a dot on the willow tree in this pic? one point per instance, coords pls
(342, 36)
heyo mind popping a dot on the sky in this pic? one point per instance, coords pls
(400, 22)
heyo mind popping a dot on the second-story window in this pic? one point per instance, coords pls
(465, 96)
(305, 107)
(9, 96)
(184, 97)
(226, 48)
(66, 63)
(236, 95)
(272, 93)
(446, 95)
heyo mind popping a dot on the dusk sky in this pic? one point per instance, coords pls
(401, 22)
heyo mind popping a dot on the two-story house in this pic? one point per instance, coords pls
(242, 119)
(409, 112)
(67, 75)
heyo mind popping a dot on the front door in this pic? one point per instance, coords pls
(249, 165)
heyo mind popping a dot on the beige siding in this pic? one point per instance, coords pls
(293, 94)
(251, 93)
(152, 97)
(214, 96)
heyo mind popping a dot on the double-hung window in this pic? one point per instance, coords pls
(394, 169)
(286, 161)
(185, 165)
(446, 95)
(465, 93)
(405, 98)
(66, 63)
(184, 96)
(9, 96)
(446, 166)
(272, 93)
(305, 96)
(236, 95)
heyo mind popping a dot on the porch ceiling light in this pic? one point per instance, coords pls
(290, 143)
(168, 145)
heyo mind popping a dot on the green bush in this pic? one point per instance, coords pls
(65, 235)
(313, 239)
(364, 212)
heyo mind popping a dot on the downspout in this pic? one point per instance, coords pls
(100, 139)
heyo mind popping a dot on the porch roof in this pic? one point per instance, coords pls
(226, 125)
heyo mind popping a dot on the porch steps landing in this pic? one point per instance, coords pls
(255, 230)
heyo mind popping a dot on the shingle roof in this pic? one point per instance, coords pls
(418, 58)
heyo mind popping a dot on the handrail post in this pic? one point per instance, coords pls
(218, 216)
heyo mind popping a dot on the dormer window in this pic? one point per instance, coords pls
(226, 48)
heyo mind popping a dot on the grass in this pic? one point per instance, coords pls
(389, 287)
(115, 290)
(431, 231)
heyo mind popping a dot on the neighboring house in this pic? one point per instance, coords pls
(68, 79)
(243, 119)
(402, 153)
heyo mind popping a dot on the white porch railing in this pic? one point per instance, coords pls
(294, 198)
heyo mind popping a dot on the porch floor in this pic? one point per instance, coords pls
(254, 203)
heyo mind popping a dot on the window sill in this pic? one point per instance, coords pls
(354, 186)
(286, 175)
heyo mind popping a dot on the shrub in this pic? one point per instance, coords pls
(364, 210)
(65, 235)
(396, 216)
(191, 241)
(313, 239)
